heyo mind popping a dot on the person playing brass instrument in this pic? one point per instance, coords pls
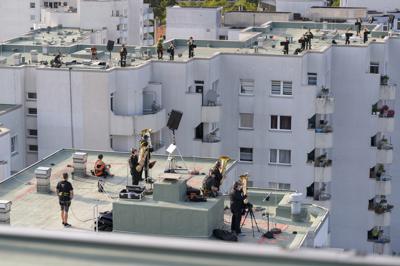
(237, 206)
(210, 188)
(144, 155)
(133, 163)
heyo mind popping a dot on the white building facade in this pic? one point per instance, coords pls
(298, 6)
(18, 17)
(382, 5)
(127, 21)
(320, 123)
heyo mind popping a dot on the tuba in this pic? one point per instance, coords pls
(224, 162)
(144, 148)
(244, 179)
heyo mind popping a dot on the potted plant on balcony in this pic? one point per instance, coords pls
(390, 113)
(375, 109)
(384, 80)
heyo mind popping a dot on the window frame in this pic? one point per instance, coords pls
(281, 88)
(30, 114)
(374, 65)
(240, 155)
(312, 76)
(278, 151)
(278, 123)
(240, 121)
(248, 81)
(28, 133)
(32, 5)
(14, 144)
(29, 150)
(29, 98)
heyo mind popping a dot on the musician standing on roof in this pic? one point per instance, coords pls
(133, 163)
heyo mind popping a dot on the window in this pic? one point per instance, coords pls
(112, 102)
(199, 85)
(14, 143)
(33, 17)
(282, 186)
(374, 68)
(46, 4)
(246, 154)
(279, 156)
(32, 111)
(32, 133)
(32, 148)
(246, 87)
(281, 88)
(32, 4)
(118, 26)
(246, 121)
(31, 96)
(312, 78)
(117, 13)
(282, 122)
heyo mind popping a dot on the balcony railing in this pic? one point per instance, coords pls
(382, 208)
(378, 236)
(384, 144)
(322, 161)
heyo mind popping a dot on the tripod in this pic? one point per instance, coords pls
(252, 218)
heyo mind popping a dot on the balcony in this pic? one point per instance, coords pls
(379, 173)
(324, 137)
(148, 29)
(156, 121)
(387, 92)
(383, 188)
(386, 124)
(211, 114)
(125, 125)
(324, 102)
(321, 191)
(323, 174)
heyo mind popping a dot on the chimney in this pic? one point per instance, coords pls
(79, 160)
(5, 209)
(43, 179)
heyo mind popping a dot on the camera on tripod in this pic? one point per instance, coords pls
(248, 206)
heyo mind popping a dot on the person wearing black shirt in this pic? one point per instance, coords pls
(285, 45)
(191, 47)
(308, 36)
(358, 26)
(302, 42)
(366, 33)
(133, 162)
(348, 35)
(210, 188)
(123, 53)
(237, 206)
(65, 194)
(217, 173)
(147, 164)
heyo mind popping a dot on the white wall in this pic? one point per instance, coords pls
(200, 23)
(381, 5)
(14, 121)
(5, 154)
(297, 6)
(66, 19)
(15, 17)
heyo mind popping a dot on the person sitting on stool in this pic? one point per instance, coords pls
(101, 169)
(133, 163)
(210, 189)
(65, 194)
(237, 206)
(217, 173)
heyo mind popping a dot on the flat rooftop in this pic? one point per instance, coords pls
(267, 37)
(34, 210)
(5, 108)
(56, 36)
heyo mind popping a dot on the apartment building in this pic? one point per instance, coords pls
(319, 122)
(18, 17)
(382, 5)
(126, 21)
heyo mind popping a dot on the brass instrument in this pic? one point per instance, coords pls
(144, 148)
(244, 179)
(224, 162)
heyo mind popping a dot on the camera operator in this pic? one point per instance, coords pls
(237, 206)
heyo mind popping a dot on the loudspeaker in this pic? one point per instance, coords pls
(174, 119)
(110, 45)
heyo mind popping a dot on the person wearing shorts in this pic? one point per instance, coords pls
(65, 194)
